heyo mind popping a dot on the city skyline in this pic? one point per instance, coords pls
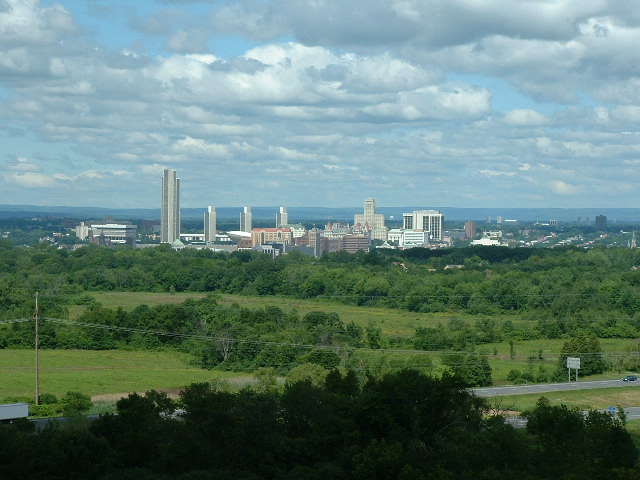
(499, 103)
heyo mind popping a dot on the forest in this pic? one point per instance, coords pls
(403, 425)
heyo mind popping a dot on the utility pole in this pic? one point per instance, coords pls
(37, 355)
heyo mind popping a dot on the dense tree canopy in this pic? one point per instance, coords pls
(402, 425)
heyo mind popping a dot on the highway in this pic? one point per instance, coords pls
(541, 388)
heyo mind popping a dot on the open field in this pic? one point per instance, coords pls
(105, 373)
(98, 372)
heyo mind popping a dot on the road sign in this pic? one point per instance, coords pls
(573, 362)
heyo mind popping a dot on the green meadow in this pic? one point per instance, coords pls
(98, 372)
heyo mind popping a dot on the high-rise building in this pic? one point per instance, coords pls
(431, 221)
(246, 221)
(282, 217)
(374, 221)
(470, 229)
(170, 221)
(210, 225)
(601, 222)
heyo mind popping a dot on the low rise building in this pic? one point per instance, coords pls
(110, 234)
(261, 236)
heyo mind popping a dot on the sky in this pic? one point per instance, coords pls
(460, 103)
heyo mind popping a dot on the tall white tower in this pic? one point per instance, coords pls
(210, 225)
(170, 221)
(246, 220)
(282, 217)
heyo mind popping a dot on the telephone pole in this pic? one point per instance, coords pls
(37, 355)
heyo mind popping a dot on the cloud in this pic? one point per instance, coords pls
(562, 188)
(23, 165)
(396, 94)
(526, 118)
(31, 179)
(24, 22)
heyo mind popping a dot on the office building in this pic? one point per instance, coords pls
(371, 221)
(470, 229)
(261, 236)
(246, 222)
(170, 221)
(282, 217)
(210, 225)
(110, 234)
(429, 221)
(408, 238)
(601, 222)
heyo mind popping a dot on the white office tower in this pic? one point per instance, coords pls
(375, 221)
(282, 217)
(431, 221)
(245, 220)
(170, 221)
(210, 225)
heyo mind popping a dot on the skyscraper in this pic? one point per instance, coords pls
(246, 223)
(210, 225)
(470, 229)
(374, 220)
(170, 221)
(282, 217)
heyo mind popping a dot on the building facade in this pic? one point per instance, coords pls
(210, 225)
(470, 229)
(372, 221)
(261, 236)
(111, 234)
(282, 217)
(246, 220)
(429, 221)
(601, 222)
(170, 220)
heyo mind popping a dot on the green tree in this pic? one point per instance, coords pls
(75, 403)
(587, 348)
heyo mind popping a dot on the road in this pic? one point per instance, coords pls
(552, 387)
(633, 413)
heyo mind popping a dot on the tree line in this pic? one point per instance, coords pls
(562, 289)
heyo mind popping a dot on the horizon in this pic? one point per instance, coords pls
(260, 212)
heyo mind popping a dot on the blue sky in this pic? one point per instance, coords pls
(500, 103)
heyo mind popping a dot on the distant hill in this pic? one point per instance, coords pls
(324, 214)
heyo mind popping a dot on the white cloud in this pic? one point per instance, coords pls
(395, 94)
(31, 179)
(494, 173)
(23, 165)
(562, 188)
(24, 22)
(526, 118)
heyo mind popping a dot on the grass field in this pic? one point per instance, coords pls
(98, 372)
(104, 373)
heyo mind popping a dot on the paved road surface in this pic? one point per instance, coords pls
(552, 387)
